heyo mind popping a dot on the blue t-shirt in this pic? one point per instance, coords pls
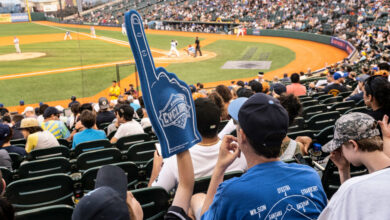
(274, 190)
(88, 135)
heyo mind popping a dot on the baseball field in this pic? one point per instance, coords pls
(51, 69)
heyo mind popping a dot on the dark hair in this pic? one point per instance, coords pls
(3, 111)
(17, 118)
(8, 138)
(88, 118)
(241, 83)
(217, 99)
(75, 108)
(7, 211)
(294, 78)
(86, 106)
(42, 108)
(370, 144)
(141, 102)
(224, 92)
(292, 105)
(125, 111)
(7, 118)
(256, 86)
(271, 151)
(379, 88)
(140, 113)
(208, 116)
(33, 130)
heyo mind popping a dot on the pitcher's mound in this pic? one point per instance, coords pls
(21, 56)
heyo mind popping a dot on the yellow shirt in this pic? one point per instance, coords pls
(116, 91)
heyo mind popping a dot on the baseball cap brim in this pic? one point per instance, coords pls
(332, 145)
(113, 177)
(234, 107)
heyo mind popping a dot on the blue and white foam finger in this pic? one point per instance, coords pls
(168, 100)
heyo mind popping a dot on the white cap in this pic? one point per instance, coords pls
(28, 109)
(60, 108)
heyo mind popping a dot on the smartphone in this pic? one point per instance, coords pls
(299, 159)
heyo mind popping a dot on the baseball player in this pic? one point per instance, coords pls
(173, 48)
(67, 34)
(16, 43)
(240, 30)
(93, 33)
(124, 29)
(190, 50)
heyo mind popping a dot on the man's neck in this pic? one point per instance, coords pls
(209, 141)
(7, 144)
(375, 161)
(255, 160)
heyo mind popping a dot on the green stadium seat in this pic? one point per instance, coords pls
(96, 158)
(322, 97)
(317, 94)
(58, 212)
(308, 112)
(40, 191)
(154, 201)
(90, 145)
(363, 109)
(149, 131)
(16, 160)
(103, 126)
(342, 106)
(124, 143)
(294, 135)
(325, 135)
(360, 103)
(298, 125)
(323, 120)
(111, 135)
(20, 141)
(305, 98)
(88, 177)
(345, 94)
(64, 142)
(44, 167)
(7, 175)
(202, 184)
(141, 153)
(59, 151)
(309, 103)
(331, 100)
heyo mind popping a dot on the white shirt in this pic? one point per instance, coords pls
(204, 159)
(173, 45)
(16, 41)
(145, 122)
(363, 197)
(129, 128)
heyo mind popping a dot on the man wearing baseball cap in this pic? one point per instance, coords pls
(104, 115)
(53, 123)
(357, 141)
(337, 86)
(357, 94)
(270, 188)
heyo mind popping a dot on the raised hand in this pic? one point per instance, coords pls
(228, 152)
(168, 100)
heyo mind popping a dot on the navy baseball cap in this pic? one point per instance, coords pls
(49, 111)
(21, 102)
(5, 131)
(337, 75)
(108, 199)
(279, 88)
(1, 105)
(262, 117)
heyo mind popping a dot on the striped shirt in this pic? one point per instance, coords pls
(57, 128)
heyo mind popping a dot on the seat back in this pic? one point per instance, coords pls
(309, 103)
(154, 201)
(40, 191)
(305, 98)
(59, 212)
(59, 151)
(321, 121)
(325, 96)
(16, 160)
(331, 100)
(124, 143)
(325, 135)
(103, 126)
(342, 106)
(345, 94)
(202, 184)
(7, 175)
(111, 135)
(96, 158)
(308, 112)
(309, 133)
(64, 142)
(20, 141)
(90, 145)
(44, 167)
(362, 109)
(298, 125)
(88, 177)
(142, 152)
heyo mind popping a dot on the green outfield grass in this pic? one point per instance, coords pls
(17, 29)
(89, 82)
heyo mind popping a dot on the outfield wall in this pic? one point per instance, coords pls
(15, 17)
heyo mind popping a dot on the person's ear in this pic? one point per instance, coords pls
(354, 145)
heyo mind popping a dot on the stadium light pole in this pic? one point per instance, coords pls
(28, 11)
(61, 16)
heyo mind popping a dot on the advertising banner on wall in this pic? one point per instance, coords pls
(5, 18)
(19, 17)
(342, 44)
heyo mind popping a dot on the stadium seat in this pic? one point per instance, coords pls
(149, 131)
(309, 133)
(40, 191)
(322, 97)
(298, 125)
(313, 110)
(103, 126)
(21, 141)
(124, 143)
(88, 177)
(305, 98)
(96, 158)
(222, 124)
(111, 135)
(59, 151)
(345, 94)
(7, 175)
(44, 167)
(331, 178)
(16, 160)
(57, 212)
(360, 103)
(154, 201)
(141, 153)
(342, 106)
(90, 145)
(309, 103)
(331, 100)
(362, 109)
(202, 184)
(323, 120)
(64, 142)
(317, 94)
(325, 135)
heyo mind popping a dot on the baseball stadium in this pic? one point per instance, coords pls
(270, 109)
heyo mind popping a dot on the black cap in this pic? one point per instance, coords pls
(73, 98)
(103, 103)
(262, 117)
(279, 88)
(208, 116)
(50, 111)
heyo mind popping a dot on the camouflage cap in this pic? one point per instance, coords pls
(353, 126)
